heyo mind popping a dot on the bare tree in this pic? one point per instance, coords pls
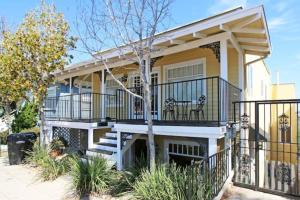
(130, 28)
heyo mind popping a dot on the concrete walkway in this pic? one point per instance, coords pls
(20, 182)
(237, 193)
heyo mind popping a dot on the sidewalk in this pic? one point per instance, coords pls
(20, 182)
(238, 193)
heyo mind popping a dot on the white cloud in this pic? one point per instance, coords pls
(221, 5)
(277, 22)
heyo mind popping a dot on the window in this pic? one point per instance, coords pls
(285, 135)
(111, 88)
(189, 90)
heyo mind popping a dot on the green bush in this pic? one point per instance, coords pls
(126, 179)
(91, 176)
(25, 118)
(3, 137)
(171, 183)
(53, 168)
(50, 168)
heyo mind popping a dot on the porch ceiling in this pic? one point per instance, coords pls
(247, 27)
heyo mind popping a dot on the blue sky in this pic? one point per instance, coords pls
(282, 16)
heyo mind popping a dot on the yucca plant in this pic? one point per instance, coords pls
(91, 176)
(50, 168)
(155, 185)
(38, 155)
(173, 182)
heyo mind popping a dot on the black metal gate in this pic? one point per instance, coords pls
(266, 147)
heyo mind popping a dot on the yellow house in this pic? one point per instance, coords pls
(201, 68)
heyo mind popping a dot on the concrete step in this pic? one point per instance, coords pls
(111, 140)
(111, 157)
(106, 147)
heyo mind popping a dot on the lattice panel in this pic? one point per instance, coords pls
(76, 138)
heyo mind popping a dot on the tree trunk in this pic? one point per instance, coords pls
(43, 134)
(147, 101)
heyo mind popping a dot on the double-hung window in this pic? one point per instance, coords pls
(111, 87)
(185, 80)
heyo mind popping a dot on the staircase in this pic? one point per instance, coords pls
(106, 147)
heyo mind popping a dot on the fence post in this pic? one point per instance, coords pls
(256, 145)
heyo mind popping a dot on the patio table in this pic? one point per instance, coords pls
(184, 110)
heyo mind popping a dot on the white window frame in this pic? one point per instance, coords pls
(184, 64)
(167, 142)
(113, 105)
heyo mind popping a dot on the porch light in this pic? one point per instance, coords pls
(245, 121)
(283, 122)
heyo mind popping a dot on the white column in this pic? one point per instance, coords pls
(212, 146)
(241, 73)
(119, 152)
(90, 138)
(103, 109)
(70, 86)
(224, 75)
(223, 59)
(50, 133)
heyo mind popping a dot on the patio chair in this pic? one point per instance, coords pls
(199, 108)
(170, 106)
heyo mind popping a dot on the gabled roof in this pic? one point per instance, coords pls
(247, 28)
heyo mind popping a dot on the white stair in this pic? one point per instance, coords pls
(107, 147)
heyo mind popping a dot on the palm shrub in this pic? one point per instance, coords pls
(91, 176)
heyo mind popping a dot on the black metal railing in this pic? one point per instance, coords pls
(211, 172)
(205, 101)
(89, 107)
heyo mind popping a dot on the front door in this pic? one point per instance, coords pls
(138, 104)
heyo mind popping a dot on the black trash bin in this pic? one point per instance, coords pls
(18, 144)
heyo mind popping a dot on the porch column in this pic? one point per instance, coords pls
(119, 151)
(70, 86)
(223, 60)
(223, 75)
(50, 133)
(90, 138)
(212, 146)
(103, 87)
